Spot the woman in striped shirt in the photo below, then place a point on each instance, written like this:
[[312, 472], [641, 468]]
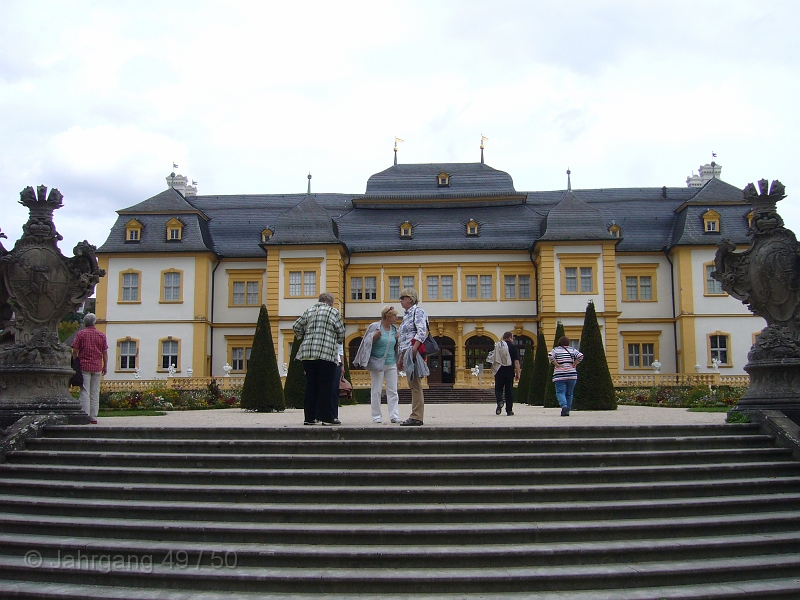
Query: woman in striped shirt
[[565, 358]]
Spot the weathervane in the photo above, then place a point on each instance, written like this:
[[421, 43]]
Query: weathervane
[[569, 182], [483, 138], [396, 139]]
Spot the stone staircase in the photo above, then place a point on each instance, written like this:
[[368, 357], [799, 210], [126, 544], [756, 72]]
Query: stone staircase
[[445, 394], [618, 513]]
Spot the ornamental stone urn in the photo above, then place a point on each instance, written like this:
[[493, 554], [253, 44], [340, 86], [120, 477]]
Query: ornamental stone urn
[[766, 277], [38, 287]]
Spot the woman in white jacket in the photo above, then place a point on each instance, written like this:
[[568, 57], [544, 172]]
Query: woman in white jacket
[[378, 354]]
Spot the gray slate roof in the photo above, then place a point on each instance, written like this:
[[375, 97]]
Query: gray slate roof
[[231, 225], [466, 179], [574, 219]]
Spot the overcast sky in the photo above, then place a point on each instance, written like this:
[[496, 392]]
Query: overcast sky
[[99, 99]]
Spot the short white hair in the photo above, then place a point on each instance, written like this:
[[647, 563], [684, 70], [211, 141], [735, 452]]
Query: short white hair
[[89, 319]]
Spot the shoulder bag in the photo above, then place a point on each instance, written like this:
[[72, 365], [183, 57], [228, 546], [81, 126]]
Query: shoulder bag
[[378, 364], [429, 347]]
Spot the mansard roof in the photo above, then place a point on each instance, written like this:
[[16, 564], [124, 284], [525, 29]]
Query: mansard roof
[[574, 219], [421, 180], [306, 223], [651, 219]]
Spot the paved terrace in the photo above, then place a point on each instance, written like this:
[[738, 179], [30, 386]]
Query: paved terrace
[[436, 415]]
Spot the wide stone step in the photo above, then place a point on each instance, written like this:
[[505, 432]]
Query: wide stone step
[[359, 477], [420, 534], [350, 434], [420, 581], [391, 493], [397, 513], [384, 447], [177, 460], [775, 589], [59, 549]]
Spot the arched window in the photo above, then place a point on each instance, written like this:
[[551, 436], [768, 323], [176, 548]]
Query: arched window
[[521, 342], [352, 348], [477, 348]]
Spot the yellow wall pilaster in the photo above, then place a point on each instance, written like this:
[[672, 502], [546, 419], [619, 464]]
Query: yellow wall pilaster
[[101, 296], [686, 325], [610, 304]]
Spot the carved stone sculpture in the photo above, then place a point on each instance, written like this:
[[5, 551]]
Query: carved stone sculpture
[[766, 277], [38, 287]]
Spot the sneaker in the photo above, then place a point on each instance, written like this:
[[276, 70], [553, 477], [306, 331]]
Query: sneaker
[[378, 421], [330, 423], [409, 422], [93, 421], [337, 422], [565, 412], [309, 422], [499, 408], [510, 413], [395, 419]]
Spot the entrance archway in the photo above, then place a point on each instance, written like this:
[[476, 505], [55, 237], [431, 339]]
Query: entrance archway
[[443, 365]]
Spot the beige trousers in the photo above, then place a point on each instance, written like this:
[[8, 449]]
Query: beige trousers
[[417, 399]]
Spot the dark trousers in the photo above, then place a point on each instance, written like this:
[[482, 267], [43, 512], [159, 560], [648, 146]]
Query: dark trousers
[[317, 401], [504, 383], [335, 392]]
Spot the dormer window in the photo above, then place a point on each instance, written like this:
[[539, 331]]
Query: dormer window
[[133, 231], [406, 230], [443, 180], [615, 230], [174, 230], [266, 235], [472, 228], [711, 221]]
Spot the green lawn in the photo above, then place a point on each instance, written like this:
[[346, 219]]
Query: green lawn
[[725, 408], [131, 413]]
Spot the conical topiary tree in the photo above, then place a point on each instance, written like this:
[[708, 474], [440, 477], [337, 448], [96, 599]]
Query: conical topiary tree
[[262, 390], [524, 385], [541, 369], [294, 388], [594, 390], [550, 400]]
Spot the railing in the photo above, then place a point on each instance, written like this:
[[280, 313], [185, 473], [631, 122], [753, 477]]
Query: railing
[[464, 378]]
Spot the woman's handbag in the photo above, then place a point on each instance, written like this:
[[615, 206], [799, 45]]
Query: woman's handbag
[[429, 347], [345, 388]]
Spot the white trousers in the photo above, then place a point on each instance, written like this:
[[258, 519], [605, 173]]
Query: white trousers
[[90, 394], [390, 374]]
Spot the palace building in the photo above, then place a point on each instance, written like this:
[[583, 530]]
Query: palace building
[[187, 273]]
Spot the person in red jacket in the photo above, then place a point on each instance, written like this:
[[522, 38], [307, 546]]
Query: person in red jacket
[[91, 348]]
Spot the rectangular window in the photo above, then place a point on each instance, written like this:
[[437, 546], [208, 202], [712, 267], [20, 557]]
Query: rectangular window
[[356, 288], [648, 355], [174, 234], [252, 293], [586, 279], [133, 235], [712, 285], [237, 359], [719, 348], [472, 286], [433, 287], [130, 287], [127, 355], [394, 288], [169, 353], [511, 286], [524, 286], [172, 286], [571, 277], [631, 288], [310, 283], [634, 356], [447, 287], [370, 288], [646, 287], [238, 292], [638, 288], [408, 282], [486, 286]]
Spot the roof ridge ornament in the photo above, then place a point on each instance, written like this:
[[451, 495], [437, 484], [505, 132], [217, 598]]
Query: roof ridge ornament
[[308, 192], [569, 182], [396, 139], [483, 138]]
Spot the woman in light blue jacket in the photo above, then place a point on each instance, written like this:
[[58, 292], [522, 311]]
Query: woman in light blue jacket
[[378, 354]]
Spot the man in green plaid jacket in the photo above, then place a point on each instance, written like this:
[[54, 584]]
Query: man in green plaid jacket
[[321, 330]]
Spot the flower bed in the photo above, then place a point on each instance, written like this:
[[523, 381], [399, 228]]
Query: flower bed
[[680, 397], [161, 397]]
